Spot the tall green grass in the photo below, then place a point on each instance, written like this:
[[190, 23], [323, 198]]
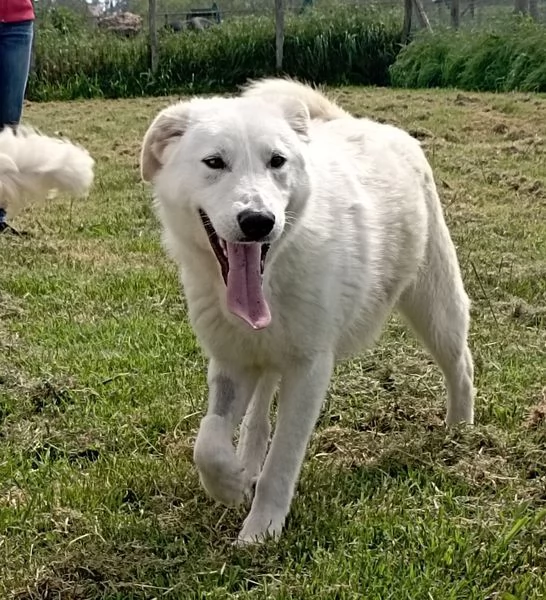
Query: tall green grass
[[346, 46], [508, 57]]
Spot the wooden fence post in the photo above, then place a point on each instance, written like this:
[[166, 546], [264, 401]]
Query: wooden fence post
[[408, 9], [455, 14], [521, 7], [279, 33], [152, 32]]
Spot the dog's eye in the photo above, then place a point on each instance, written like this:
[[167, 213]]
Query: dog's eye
[[215, 162], [277, 161]]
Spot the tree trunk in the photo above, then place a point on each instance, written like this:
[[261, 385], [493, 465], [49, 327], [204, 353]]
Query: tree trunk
[[422, 15], [279, 33], [533, 9]]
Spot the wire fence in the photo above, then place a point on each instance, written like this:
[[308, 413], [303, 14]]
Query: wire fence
[[438, 12], [352, 41], [176, 14]]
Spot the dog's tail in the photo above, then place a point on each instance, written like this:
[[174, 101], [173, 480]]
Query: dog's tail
[[35, 166], [319, 106]]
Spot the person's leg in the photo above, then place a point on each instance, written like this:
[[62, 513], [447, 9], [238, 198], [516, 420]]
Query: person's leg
[[15, 49]]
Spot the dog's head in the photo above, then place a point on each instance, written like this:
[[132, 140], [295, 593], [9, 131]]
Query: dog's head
[[239, 166]]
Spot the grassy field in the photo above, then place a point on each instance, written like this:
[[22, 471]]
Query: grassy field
[[102, 388]]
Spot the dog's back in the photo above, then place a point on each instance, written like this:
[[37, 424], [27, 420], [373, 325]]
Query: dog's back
[[318, 105]]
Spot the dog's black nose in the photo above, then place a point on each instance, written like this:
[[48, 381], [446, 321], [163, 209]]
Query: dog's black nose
[[254, 224]]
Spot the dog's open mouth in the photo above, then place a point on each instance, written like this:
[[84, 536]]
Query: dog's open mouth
[[242, 266]]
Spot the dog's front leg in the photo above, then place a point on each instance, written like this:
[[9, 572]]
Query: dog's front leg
[[220, 470], [302, 391]]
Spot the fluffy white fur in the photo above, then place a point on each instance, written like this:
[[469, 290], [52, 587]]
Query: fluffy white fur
[[359, 231], [33, 166]]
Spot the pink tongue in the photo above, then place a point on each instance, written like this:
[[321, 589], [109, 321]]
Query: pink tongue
[[244, 285]]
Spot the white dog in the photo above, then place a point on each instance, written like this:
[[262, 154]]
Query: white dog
[[33, 166], [297, 229]]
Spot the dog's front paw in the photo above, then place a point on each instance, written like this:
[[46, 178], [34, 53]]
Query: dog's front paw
[[225, 480], [260, 526], [220, 471]]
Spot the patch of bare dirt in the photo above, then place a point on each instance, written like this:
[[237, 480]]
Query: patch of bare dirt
[[531, 316], [464, 99], [13, 497], [537, 414], [500, 128]]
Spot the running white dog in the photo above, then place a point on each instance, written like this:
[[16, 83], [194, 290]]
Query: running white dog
[[297, 229], [33, 166]]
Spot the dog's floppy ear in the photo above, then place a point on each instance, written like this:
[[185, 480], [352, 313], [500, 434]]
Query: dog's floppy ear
[[297, 115], [170, 123]]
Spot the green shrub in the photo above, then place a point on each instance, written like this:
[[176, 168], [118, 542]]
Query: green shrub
[[510, 57], [346, 46], [65, 21]]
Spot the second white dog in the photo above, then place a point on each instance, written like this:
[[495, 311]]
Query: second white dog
[[33, 166], [297, 229]]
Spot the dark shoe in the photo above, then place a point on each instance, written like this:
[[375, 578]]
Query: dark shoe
[[8, 229]]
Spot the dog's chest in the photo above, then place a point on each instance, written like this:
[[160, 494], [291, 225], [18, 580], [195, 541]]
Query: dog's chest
[[227, 338], [232, 342]]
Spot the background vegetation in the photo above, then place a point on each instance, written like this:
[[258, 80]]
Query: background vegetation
[[509, 56], [347, 46], [360, 46]]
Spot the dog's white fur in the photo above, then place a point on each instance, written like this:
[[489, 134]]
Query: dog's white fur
[[359, 231], [33, 166]]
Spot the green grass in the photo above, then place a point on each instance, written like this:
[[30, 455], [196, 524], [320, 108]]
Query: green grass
[[102, 388], [503, 56]]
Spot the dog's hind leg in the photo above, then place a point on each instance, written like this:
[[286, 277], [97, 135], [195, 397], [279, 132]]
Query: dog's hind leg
[[256, 428], [438, 310], [221, 472]]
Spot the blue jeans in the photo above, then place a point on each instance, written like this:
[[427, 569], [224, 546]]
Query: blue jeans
[[15, 50]]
